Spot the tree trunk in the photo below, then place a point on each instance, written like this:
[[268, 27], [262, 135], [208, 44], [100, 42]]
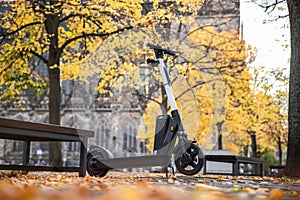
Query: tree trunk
[[279, 150], [52, 23], [253, 145], [246, 152], [293, 152], [220, 142], [220, 137]]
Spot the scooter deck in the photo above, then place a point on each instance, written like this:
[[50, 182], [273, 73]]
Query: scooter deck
[[134, 162]]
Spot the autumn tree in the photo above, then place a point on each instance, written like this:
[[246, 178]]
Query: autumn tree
[[228, 58], [277, 127], [250, 105], [293, 153], [255, 111], [49, 30], [56, 32], [52, 31], [61, 33]]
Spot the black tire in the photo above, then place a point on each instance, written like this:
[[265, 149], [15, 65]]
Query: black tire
[[93, 157], [190, 162]]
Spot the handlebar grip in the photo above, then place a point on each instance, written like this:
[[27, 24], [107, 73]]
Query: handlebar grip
[[153, 46], [149, 61], [157, 47]]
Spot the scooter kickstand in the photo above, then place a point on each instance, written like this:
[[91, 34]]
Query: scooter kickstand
[[167, 171]]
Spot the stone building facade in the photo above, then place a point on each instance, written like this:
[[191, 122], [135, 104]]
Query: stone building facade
[[115, 124]]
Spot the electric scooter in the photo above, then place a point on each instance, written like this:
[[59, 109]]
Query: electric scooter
[[188, 156]]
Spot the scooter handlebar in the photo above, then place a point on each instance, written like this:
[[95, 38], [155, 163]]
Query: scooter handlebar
[[159, 48]]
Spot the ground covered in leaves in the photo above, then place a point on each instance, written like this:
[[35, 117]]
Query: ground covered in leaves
[[143, 186]]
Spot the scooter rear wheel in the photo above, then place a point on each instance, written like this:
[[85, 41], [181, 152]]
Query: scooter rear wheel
[[94, 156], [191, 161]]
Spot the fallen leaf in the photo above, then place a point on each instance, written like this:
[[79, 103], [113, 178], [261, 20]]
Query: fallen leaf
[[276, 194], [143, 184], [249, 190], [293, 193]]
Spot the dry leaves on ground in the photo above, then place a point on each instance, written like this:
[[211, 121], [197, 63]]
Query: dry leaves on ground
[[124, 186]]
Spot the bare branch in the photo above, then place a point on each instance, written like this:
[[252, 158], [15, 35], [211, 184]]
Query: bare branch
[[96, 22], [190, 88], [6, 68], [84, 35], [202, 27], [271, 6], [39, 56], [21, 28], [137, 93]]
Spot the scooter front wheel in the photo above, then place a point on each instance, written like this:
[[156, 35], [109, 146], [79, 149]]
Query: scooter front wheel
[[191, 161]]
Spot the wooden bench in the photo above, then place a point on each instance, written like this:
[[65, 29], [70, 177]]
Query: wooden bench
[[235, 161], [29, 132], [275, 169]]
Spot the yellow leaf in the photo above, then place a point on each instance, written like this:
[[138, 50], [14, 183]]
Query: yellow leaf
[[249, 190], [293, 193], [276, 194]]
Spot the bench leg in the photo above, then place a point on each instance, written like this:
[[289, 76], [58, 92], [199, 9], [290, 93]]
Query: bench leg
[[26, 152], [204, 168], [261, 169], [235, 168], [83, 157]]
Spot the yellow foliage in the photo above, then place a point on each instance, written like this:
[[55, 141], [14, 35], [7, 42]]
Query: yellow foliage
[[28, 20], [248, 108]]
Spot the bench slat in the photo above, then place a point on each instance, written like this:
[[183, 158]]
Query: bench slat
[[17, 124], [13, 133]]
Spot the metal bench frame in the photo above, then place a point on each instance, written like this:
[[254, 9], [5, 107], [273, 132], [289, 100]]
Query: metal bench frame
[[236, 161], [37, 132]]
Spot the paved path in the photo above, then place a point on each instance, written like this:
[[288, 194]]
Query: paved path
[[246, 186], [145, 186]]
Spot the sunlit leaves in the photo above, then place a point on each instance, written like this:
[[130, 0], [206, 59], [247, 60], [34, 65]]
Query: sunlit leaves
[[26, 36], [251, 105], [80, 29]]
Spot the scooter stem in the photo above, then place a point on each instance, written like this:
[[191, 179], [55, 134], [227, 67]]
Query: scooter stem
[[167, 85]]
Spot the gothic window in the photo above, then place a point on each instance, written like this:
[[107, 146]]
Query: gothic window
[[114, 139], [97, 138], [103, 134], [129, 138], [142, 147], [74, 146], [17, 146], [125, 136]]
